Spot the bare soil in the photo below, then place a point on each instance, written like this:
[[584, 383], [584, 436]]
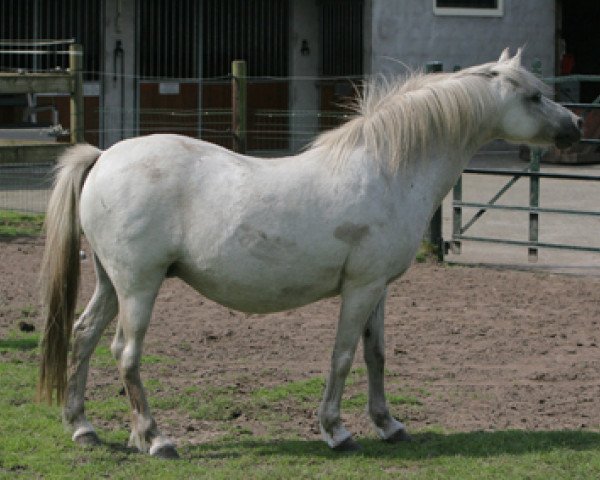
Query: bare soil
[[480, 348]]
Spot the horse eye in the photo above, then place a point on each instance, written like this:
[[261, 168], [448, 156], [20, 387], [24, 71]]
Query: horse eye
[[536, 98]]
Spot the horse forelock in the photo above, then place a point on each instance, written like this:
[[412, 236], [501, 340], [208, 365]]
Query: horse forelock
[[400, 122]]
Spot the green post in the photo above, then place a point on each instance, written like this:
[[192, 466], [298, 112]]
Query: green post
[[239, 112], [76, 102], [435, 226], [456, 216], [534, 185]]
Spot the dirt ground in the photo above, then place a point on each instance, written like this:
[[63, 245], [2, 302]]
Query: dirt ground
[[481, 349]]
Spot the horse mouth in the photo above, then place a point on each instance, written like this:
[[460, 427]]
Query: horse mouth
[[563, 143], [566, 140], [569, 134]]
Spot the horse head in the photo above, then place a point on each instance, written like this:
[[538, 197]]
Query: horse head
[[526, 114]]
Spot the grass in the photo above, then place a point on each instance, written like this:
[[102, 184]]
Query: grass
[[33, 443], [103, 358], [426, 251], [17, 224]]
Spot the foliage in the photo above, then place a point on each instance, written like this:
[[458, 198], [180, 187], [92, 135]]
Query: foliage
[[426, 251]]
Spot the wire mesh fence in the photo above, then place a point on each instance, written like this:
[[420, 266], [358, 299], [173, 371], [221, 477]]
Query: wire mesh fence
[[284, 115], [281, 121], [25, 187]]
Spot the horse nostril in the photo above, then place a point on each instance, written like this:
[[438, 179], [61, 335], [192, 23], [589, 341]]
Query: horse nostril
[[579, 123]]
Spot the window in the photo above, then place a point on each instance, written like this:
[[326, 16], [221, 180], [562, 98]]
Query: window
[[476, 8]]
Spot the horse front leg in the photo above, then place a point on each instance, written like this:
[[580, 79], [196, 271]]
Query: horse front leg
[[387, 427], [357, 304]]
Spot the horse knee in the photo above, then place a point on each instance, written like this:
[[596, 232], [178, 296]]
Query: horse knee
[[129, 360], [84, 338], [342, 363]]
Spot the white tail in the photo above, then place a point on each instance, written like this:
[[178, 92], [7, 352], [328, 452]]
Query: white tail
[[60, 268]]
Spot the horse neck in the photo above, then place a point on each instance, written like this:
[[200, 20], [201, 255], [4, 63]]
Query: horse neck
[[452, 114], [440, 166]]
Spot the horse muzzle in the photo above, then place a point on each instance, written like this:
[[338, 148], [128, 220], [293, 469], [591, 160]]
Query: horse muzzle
[[570, 132]]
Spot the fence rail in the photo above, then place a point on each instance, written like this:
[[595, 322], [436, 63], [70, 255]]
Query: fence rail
[[458, 229]]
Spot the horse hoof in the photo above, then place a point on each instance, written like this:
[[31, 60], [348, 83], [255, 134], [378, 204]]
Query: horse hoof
[[399, 436], [347, 446], [167, 452], [88, 439]]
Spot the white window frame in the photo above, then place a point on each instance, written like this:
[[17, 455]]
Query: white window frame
[[469, 12]]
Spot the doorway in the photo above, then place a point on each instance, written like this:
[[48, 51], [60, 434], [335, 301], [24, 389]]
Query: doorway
[[579, 44]]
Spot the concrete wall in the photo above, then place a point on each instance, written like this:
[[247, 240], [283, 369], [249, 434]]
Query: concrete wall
[[119, 117], [408, 31], [304, 93]]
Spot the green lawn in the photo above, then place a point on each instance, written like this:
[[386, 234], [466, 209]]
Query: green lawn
[[33, 443], [16, 224]]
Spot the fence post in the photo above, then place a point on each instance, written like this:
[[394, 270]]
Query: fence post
[[534, 185], [238, 105], [456, 216], [76, 102], [435, 226], [455, 243]]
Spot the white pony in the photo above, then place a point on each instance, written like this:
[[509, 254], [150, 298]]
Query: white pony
[[345, 217]]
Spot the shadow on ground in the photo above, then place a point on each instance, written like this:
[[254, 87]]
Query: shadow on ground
[[424, 445]]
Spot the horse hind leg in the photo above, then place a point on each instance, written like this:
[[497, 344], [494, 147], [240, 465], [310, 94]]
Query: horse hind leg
[[136, 310], [387, 427], [87, 331]]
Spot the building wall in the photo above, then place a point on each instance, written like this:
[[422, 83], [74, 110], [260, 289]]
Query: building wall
[[408, 31], [119, 116], [304, 96]]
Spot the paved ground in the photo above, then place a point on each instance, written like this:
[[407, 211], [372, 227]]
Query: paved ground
[[553, 228]]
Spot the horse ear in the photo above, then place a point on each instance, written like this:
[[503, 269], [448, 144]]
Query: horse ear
[[516, 60], [504, 56]]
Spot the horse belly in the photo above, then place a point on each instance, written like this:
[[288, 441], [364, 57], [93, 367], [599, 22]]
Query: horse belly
[[252, 287]]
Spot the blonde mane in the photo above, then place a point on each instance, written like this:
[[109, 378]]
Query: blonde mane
[[398, 122]]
